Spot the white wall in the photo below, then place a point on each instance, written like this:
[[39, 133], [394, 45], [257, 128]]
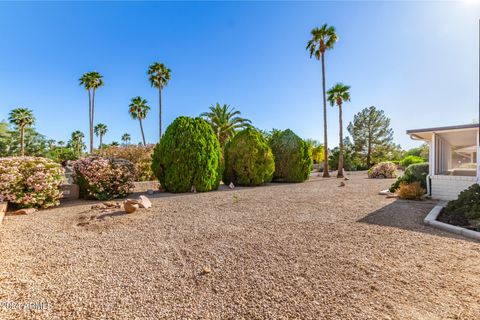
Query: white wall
[[448, 187]]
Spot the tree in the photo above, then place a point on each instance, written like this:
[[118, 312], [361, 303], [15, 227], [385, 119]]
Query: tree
[[339, 94], [76, 142], [91, 81], [126, 138], [159, 75], [225, 121], [22, 117], [323, 39], [35, 144], [371, 133], [138, 110], [100, 130]]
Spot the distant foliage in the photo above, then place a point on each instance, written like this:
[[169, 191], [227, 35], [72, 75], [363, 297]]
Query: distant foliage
[[188, 157], [30, 182], [293, 160], [248, 159], [140, 156], [410, 191], [467, 204], [103, 178], [408, 160], [383, 170], [415, 172]]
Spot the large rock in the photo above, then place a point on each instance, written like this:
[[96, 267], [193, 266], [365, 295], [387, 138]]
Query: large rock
[[144, 202], [130, 207]]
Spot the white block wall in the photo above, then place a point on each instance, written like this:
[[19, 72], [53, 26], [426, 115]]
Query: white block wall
[[448, 187]]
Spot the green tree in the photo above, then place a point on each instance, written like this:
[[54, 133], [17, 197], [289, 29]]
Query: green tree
[[159, 75], [225, 121], [22, 117], [76, 142], [4, 139], [323, 39], [139, 110], [100, 130], [372, 135], [126, 138], [91, 81], [339, 94]]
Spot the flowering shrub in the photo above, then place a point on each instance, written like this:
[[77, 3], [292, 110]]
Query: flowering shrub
[[139, 156], [383, 170], [30, 182], [103, 178]]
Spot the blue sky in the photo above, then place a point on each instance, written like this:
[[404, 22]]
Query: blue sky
[[418, 61]]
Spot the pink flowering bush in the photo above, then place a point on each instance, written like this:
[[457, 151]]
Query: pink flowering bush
[[383, 170], [103, 178], [30, 182]]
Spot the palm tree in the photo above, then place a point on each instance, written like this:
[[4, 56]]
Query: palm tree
[[138, 110], [126, 138], [22, 117], [338, 94], [159, 75], [100, 130], [323, 39], [61, 143], [76, 141], [91, 81], [225, 121]]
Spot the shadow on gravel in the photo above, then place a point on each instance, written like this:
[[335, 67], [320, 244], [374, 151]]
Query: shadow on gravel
[[408, 215]]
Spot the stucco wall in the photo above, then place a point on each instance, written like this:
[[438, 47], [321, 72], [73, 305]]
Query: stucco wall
[[448, 187]]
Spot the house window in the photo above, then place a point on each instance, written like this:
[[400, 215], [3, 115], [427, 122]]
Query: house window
[[456, 153]]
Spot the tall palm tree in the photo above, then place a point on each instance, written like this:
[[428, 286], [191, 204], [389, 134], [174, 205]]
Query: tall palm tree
[[338, 94], [91, 81], [101, 130], [76, 141], [225, 121], [323, 39], [22, 117], [159, 75], [138, 110], [126, 138]]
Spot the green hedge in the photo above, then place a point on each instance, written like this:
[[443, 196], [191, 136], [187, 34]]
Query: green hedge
[[188, 157], [414, 172], [248, 159], [408, 160], [293, 159]]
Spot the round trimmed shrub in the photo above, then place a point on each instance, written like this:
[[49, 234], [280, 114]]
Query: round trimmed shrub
[[188, 157], [30, 182], [103, 178], [383, 170], [414, 172], [293, 160], [248, 159]]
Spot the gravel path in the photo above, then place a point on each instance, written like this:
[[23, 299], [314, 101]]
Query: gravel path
[[310, 251]]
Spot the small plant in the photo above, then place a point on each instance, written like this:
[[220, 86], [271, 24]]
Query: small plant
[[103, 178], [410, 191], [383, 170], [467, 204], [30, 182], [415, 172], [235, 198], [408, 160]]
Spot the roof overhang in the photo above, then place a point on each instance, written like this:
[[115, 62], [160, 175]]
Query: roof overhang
[[450, 131]]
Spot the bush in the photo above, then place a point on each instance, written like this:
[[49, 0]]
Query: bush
[[140, 156], [415, 172], [408, 160], [383, 170], [188, 157], [467, 204], [293, 160], [103, 178], [30, 182], [248, 159], [410, 191]]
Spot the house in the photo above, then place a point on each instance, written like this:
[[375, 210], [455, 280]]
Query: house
[[453, 158]]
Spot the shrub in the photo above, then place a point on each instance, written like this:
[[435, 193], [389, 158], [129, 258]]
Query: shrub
[[410, 191], [467, 204], [414, 172], [103, 178], [30, 182], [383, 170], [408, 160], [188, 157], [292, 155], [139, 156], [248, 159]]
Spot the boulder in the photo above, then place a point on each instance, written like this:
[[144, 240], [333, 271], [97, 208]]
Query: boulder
[[25, 211], [231, 185], [144, 202], [130, 207]]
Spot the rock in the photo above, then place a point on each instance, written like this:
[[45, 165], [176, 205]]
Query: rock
[[130, 207], [98, 207], [392, 195], [25, 211], [111, 204], [346, 179], [384, 192], [231, 185], [206, 270], [342, 184], [144, 202], [132, 201], [194, 190]]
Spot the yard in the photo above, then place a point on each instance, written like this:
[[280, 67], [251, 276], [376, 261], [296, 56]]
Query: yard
[[310, 250]]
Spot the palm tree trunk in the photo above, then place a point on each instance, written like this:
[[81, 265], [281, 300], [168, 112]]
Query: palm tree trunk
[[101, 142], [90, 116], [340, 155], [22, 141], [160, 113], [141, 129], [92, 123], [326, 174]]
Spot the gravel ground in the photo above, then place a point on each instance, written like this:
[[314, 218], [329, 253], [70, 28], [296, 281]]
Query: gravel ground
[[310, 251]]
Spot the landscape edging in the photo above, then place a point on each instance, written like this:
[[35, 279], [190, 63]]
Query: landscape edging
[[431, 220]]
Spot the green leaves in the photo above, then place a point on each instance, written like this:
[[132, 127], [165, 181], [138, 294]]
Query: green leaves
[[159, 75], [21, 117], [91, 80], [323, 38], [138, 108]]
